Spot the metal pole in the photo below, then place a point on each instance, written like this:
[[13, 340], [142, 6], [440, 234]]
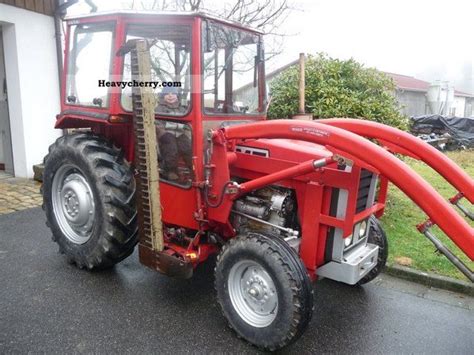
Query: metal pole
[[451, 257]]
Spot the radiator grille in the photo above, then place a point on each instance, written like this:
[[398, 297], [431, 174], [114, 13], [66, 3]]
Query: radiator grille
[[364, 190]]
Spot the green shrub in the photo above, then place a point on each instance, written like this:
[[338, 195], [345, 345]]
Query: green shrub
[[337, 88]]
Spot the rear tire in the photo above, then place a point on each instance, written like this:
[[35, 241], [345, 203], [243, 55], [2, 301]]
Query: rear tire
[[378, 237], [88, 197], [264, 290]]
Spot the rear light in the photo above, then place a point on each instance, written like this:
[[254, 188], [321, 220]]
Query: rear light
[[117, 119]]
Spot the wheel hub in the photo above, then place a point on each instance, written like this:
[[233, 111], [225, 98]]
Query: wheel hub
[[73, 204], [253, 293]]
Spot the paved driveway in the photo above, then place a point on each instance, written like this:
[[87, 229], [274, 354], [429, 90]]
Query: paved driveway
[[17, 194], [48, 306]]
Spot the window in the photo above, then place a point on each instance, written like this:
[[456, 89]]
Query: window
[[89, 62], [170, 57], [231, 60], [175, 152]]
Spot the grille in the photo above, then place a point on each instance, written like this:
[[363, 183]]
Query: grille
[[364, 190]]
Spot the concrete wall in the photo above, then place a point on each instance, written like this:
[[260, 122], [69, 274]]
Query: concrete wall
[[469, 110], [459, 106], [412, 103], [32, 80]]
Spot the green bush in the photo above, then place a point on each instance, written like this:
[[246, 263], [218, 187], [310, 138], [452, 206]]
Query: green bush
[[337, 88]]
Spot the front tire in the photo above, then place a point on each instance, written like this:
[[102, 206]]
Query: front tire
[[378, 237], [264, 290], [88, 196]]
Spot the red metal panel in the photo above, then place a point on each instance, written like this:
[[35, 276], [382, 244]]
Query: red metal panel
[[323, 229], [117, 65], [311, 211], [178, 205], [382, 197], [423, 194]]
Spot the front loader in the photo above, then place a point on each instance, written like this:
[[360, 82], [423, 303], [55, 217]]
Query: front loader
[[190, 167]]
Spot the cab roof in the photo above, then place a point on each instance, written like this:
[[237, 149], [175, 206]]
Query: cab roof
[[131, 13]]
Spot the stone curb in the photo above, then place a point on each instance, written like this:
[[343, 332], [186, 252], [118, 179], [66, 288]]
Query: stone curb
[[430, 279]]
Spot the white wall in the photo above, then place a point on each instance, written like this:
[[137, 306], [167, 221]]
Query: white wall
[[32, 80], [460, 105], [3, 103]]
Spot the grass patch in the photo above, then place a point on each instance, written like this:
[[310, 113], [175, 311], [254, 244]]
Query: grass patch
[[402, 215]]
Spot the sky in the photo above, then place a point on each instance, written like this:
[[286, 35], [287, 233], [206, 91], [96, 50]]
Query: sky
[[431, 40]]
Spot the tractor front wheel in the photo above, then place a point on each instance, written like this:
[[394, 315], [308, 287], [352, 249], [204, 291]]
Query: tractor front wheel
[[88, 196], [378, 237], [264, 290]]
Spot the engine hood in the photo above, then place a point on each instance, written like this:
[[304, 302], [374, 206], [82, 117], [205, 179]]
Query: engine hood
[[284, 149]]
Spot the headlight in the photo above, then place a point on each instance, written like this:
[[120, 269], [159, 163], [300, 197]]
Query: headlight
[[362, 229], [348, 241]]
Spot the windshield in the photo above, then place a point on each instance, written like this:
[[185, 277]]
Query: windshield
[[231, 59]]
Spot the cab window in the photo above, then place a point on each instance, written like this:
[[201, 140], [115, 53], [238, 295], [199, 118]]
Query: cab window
[[90, 59], [231, 60], [175, 152], [170, 55]]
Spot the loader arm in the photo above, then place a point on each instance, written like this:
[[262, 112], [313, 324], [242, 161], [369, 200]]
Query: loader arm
[[423, 194], [397, 139]]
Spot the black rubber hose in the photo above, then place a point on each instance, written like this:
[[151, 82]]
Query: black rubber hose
[[221, 198]]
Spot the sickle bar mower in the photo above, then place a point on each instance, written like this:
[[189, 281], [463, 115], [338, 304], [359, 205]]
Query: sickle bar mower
[[340, 136]]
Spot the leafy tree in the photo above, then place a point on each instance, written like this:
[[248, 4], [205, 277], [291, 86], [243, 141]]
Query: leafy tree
[[337, 88], [264, 15]]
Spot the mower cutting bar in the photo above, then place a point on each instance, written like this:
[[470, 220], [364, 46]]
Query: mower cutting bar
[[146, 157], [423, 194]]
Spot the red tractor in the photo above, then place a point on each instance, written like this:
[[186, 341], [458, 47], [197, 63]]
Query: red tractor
[[281, 203]]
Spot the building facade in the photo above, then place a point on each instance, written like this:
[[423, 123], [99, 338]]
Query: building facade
[[29, 84], [412, 95]]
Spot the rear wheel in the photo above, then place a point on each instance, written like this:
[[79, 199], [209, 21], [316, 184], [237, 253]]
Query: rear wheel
[[264, 290], [378, 237], [88, 196]]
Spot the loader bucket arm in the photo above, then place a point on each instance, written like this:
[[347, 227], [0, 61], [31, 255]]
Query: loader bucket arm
[[457, 177], [424, 195]]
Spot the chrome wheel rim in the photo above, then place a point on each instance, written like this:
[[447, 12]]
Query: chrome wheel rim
[[73, 204], [253, 293]]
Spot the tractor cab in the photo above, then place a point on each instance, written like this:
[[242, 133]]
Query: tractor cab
[[205, 72], [214, 68]]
